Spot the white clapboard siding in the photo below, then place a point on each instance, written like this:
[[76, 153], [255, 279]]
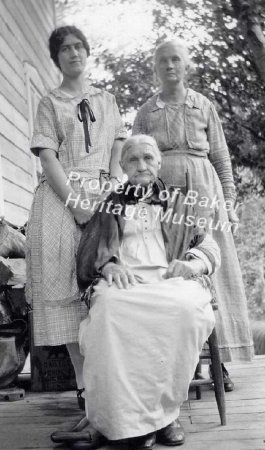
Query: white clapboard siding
[[13, 116], [42, 15], [46, 11], [11, 57], [11, 75], [21, 158], [13, 193], [21, 38], [31, 22], [12, 133], [26, 73], [16, 174], [12, 95], [15, 214], [2, 212]]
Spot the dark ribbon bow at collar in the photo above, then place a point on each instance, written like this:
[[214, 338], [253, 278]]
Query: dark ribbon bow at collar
[[84, 110], [133, 195]]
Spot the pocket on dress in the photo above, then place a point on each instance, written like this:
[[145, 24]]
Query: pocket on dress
[[196, 129]]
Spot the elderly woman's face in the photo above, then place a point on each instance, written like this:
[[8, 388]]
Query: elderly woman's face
[[141, 164], [72, 56], [170, 64]]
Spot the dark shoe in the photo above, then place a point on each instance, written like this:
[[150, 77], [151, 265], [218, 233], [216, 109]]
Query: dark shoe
[[89, 439], [171, 435], [80, 398], [145, 442], [85, 445], [228, 383]]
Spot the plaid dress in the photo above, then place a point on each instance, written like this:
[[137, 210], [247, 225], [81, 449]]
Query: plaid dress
[[190, 137], [52, 235]]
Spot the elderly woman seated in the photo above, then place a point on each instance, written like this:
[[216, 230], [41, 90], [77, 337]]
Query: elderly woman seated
[[150, 310]]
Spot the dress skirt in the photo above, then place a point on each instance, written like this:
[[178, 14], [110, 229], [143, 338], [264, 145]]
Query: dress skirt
[[232, 322], [52, 243], [141, 346]]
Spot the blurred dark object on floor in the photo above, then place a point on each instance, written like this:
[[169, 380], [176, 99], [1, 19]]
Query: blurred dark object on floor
[[12, 241], [14, 336]]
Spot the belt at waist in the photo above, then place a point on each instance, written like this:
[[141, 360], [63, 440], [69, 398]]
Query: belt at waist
[[75, 174], [188, 151], [96, 173]]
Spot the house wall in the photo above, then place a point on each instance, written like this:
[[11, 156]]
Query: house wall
[[26, 72]]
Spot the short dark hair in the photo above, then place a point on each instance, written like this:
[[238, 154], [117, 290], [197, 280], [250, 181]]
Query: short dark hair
[[57, 37]]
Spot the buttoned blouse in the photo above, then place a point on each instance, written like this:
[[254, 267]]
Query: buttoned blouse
[[198, 132], [142, 247]]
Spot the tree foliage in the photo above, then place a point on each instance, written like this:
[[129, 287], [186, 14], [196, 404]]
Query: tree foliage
[[250, 16], [225, 71], [250, 243]]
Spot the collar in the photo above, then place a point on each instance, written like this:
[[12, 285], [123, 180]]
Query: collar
[[132, 196], [192, 100], [89, 91]]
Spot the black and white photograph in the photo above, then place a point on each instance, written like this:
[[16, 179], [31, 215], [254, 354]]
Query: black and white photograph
[[132, 224]]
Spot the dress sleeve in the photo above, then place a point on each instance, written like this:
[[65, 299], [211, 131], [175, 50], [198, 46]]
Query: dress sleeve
[[208, 251], [219, 154], [120, 130], [45, 134], [139, 125]]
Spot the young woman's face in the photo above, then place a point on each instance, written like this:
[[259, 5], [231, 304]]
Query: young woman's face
[[170, 64], [72, 56]]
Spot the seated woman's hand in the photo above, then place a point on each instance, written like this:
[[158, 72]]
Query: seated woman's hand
[[185, 269], [121, 275]]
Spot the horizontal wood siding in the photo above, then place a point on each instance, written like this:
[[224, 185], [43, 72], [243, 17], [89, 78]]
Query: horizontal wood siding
[[25, 26], [15, 214], [25, 198], [21, 38], [17, 175], [15, 155], [12, 133], [15, 117]]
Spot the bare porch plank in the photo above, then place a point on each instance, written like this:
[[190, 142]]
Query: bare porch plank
[[27, 424]]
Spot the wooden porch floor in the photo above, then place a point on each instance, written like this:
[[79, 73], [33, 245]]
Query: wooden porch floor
[[27, 424]]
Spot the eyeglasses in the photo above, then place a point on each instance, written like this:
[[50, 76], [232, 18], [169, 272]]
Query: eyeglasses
[[79, 46]]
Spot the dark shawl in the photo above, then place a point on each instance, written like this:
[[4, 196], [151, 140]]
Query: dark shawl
[[103, 233]]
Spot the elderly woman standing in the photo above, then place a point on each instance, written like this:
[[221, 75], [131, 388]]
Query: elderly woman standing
[[150, 312], [189, 134], [78, 129]]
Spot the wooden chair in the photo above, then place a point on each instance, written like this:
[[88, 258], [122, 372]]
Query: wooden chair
[[77, 433], [210, 352]]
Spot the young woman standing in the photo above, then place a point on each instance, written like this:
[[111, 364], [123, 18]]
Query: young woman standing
[[78, 129]]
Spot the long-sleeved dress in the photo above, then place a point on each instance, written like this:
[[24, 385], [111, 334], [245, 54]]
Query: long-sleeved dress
[[52, 235], [141, 345], [190, 136]]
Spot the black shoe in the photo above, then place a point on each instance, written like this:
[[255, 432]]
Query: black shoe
[[80, 398], [145, 442], [228, 383], [171, 435], [90, 439], [85, 445]]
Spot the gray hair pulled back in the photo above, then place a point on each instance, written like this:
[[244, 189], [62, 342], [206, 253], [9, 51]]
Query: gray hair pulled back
[[137, 139], [179, 44]]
